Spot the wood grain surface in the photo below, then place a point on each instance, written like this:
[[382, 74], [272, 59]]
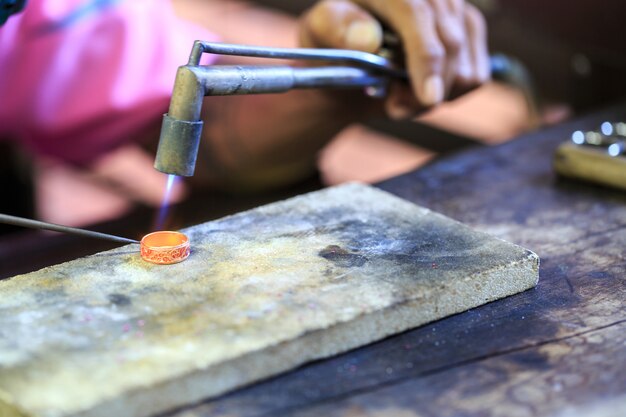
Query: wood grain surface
[[557, 350]]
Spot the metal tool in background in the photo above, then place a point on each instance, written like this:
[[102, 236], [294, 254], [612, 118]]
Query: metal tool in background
[[182, 127], [35, 224], [597, 156]]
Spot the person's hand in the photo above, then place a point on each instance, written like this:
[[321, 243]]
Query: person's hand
[[444, 44]]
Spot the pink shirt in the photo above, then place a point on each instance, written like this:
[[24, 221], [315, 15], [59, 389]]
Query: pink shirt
[[78, 79]]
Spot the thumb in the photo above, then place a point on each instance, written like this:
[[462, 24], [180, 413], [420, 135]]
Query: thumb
[[340, 24]]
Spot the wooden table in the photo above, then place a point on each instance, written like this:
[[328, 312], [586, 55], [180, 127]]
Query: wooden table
[[557, 350]]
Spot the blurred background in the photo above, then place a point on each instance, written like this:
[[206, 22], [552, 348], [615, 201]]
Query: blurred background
[[572, 60]]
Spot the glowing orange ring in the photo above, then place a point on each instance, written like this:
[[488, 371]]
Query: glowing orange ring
[[165, 247]]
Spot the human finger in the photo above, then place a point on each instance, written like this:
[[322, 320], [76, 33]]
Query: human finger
[[477, 45], [401, 104], [340, 24], [414, 21], [450, 26], [452, 30]]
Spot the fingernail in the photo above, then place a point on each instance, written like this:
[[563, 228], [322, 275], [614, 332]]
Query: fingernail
[[433, 90], [364, 36]]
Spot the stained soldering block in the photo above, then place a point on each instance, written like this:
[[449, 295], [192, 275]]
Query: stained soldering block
[[263, 291]]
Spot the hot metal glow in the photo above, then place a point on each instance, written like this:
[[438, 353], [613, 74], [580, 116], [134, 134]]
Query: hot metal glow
[[165, 247]]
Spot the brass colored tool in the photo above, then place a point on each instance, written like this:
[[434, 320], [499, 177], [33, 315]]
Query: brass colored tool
[[595, 156], [35, 224]]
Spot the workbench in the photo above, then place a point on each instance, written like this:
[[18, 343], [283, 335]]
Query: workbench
[[556, 350]]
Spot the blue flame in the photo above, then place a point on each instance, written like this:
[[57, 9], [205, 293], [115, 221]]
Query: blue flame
[[165, 203]]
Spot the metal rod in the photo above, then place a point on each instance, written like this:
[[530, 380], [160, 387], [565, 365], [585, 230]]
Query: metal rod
[[222, 80], [362, 59], [35, 224], [500, 64]]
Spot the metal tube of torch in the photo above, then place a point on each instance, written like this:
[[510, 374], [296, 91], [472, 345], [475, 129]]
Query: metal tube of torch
[[182, 127]]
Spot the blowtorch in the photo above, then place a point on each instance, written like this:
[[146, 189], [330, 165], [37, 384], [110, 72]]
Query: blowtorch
[[181, 129]]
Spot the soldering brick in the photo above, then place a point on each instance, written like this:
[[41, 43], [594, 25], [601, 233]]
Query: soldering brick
[[263, 291]]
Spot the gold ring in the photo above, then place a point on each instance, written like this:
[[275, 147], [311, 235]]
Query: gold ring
[[165, 247]]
